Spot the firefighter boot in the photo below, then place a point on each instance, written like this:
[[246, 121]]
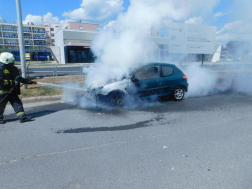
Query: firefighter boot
[[25, 118], [2, 120]]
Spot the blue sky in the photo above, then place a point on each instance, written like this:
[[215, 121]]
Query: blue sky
[[228, 15], [58, 7], [41, 7]]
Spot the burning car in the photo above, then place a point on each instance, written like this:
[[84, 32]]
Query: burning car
[[150, 80]]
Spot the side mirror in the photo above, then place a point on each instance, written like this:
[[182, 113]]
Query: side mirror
[[134, 79]]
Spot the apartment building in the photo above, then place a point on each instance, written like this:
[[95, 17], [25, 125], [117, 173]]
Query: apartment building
[[33, 36], [51, 29]]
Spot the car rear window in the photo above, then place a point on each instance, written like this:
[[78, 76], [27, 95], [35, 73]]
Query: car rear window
[[167, 70]]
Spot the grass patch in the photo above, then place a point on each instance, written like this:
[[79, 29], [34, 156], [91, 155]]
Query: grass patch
[[35, 90]]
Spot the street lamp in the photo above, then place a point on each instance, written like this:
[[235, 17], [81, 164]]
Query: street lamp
[[21, 40]]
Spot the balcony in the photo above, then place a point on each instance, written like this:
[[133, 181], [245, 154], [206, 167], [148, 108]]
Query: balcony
[[11, 44], [39, 32], [27, 31], [9, 30], [39, 44], [39, 38], [27, 37], [10, 37]]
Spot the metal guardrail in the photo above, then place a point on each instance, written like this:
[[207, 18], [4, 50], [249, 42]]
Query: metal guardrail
[[56, 69]]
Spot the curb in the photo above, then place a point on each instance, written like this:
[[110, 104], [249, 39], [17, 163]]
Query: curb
[[41, 98]]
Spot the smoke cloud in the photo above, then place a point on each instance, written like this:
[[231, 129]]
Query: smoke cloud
[[126, 43], [203, 81]]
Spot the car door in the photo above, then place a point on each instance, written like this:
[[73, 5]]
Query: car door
[[166, 79], [147, 81]]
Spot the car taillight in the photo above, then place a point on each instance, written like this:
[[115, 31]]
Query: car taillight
[[185, 77]]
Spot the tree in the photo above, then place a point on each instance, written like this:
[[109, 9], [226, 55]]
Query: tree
[[33, 49], [36, 49], [2, 49], [31, 52], [238, 48]]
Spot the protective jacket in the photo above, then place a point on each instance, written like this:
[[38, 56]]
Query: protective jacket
[[8, 73]]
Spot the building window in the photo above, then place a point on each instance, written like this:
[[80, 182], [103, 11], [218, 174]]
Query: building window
[[53, 40], [52, 34], [80, 27], [46, 26], [52, 29], [56, 26]]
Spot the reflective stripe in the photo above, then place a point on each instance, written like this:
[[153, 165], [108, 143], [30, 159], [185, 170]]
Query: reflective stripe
[[20, 113], [10, 82], [6, 82], [3, 92], [6, 72]]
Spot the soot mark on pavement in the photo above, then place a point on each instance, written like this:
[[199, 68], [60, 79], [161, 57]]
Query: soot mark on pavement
[[140, 124]]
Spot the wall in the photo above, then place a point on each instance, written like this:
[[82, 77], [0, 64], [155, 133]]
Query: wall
[[85, 26], [217, 54], [59, 41]]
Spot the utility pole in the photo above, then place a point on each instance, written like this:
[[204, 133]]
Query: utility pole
[[202, 60], [21, 40]]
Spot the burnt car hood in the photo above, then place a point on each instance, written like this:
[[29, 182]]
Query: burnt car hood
[[106, 89]]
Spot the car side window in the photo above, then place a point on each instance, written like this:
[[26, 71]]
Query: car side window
[[167, 70], [147, 73]]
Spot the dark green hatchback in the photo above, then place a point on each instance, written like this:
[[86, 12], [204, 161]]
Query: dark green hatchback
[[150, 80], [158, 79]]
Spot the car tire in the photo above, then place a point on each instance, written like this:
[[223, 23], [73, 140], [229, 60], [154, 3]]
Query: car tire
[[178, 93], [116, 99]]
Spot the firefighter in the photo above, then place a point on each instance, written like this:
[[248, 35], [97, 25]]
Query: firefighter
[[10, 87]]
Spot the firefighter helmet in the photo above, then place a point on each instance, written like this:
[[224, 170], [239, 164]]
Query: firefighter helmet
[[7, 58]]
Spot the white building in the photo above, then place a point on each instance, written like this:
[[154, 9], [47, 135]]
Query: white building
[[73, 43]]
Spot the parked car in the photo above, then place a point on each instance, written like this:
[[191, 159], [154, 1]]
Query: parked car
[[150, 80]]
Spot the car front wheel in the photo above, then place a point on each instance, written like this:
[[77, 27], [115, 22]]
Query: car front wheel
[[116, 99], [178, 93]]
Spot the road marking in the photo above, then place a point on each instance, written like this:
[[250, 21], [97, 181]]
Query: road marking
[[67, 151], [109, 144], [247, 70]]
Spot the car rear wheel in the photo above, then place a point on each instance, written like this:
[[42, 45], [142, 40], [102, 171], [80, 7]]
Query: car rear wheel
[[116, 99], [178, 93]]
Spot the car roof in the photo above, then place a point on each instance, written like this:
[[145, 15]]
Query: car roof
[[151, 64], [160, 63], [155, 64]]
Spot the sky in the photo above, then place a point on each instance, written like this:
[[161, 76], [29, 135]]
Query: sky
[[233, 18]]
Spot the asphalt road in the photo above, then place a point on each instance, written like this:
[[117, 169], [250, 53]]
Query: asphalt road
[[196, 143], [64, 71]]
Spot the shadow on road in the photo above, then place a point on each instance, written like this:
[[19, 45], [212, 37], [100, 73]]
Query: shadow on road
[[41, 111]]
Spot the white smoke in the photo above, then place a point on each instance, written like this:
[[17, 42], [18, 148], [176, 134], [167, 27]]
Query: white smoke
[[203, 81], [128, 43]]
